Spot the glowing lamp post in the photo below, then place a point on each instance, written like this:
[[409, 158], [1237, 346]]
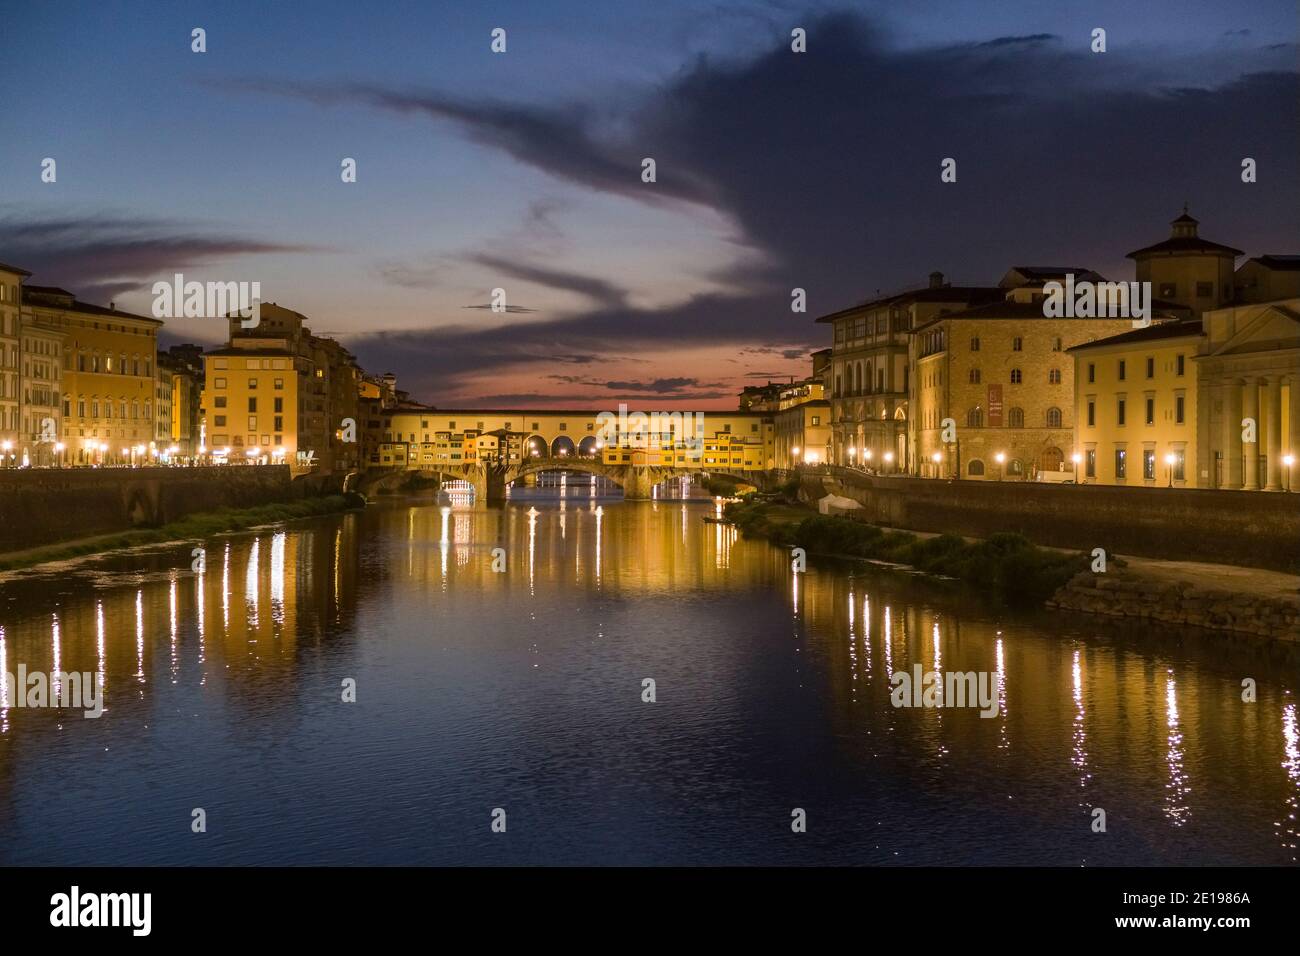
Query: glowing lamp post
[[1288, 460], [794, 453], [1000, 458], [1169, 464], [937, 457], [889, 461]]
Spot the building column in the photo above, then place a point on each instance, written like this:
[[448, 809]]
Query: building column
[[1250, 409], [1293, 446], [1231, 435], [1273, 438]]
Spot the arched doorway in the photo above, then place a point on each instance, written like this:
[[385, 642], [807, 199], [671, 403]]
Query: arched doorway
[[535, 447], [1051, 459], [563, 447], [587, 447]]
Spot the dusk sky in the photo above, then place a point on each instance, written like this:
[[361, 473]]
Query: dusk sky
[[522, 170]]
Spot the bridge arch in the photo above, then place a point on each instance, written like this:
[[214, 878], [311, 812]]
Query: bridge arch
[[535, 446], [563, 447], [588, 447]]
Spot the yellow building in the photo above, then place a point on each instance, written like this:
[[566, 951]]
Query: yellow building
[[1186, 269], [423, 438], [288, 396], [1249, 373], [870, 380], [108, 376], [11, 279], [41, 441], [1136, 401], [1001, 374], [250, 405]]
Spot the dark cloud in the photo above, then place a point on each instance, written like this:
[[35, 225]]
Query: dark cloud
[[105, 255], [599, 291], [659, 386]]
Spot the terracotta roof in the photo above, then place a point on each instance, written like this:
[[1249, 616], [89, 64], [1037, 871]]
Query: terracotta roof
[[1182, 244], [33, 294], [1152, 333], [951, 293], [21, 272], [1279, 263]]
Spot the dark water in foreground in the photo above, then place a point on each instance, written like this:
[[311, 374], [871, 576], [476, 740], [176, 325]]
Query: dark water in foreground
[[522, 690]]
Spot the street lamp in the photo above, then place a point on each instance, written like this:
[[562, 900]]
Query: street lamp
[[794, 453], [936, 458], [889, 459], [1169, 462], [1000, 458], [1288, 460]]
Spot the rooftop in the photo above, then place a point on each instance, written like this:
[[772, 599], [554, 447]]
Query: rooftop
[[1152, 333]]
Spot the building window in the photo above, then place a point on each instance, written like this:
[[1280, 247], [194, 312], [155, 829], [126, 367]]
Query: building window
[[1121, 464], [1053, 418], [1017, 344], [1090, 463], [1151, 411], [1092, 372], [1015, 418], [975, 343], [1149, 464], [219, 401], [1119, 412], [1122, 370], [974, 376], [1180, 408], [1181, 365], [975, 417], [1092, 414], [1151, 367], [1015, 376], [279, 383], [816, 420], [1056, 344], [975, 469], [1180, 463], [1054, 377], [252, 405]]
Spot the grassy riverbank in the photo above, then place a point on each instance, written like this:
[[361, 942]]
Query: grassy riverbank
[[193, 526], [1006, 566]]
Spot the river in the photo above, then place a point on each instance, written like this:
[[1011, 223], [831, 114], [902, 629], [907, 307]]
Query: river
[[521, 689]]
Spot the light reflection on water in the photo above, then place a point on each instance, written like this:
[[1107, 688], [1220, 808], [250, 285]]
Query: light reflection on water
[[521, 688]]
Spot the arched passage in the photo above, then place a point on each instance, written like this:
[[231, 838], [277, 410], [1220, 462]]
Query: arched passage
[[535, 447], [587, 447], [563, 447]]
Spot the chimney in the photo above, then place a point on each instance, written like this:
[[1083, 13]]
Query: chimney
[[112, 305], [936, 280]]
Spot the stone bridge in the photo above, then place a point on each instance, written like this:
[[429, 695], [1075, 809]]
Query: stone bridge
[[491, 480]]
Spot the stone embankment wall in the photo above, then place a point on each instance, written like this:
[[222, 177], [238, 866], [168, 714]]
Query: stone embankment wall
[[49, 505], [1250, 528], [1129, 595]]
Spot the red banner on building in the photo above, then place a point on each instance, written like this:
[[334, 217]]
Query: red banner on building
[[995, 406]]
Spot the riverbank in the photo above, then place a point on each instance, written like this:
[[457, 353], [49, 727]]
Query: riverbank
[[1007, 567], [199, 525], [1216, 597]]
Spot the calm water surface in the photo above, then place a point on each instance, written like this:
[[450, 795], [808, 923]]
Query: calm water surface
[[522, 690]]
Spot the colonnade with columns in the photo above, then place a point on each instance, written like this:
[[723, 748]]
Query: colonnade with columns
[[1252, 406]]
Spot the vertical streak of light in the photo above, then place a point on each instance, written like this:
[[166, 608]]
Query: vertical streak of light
[[889, 641], [225, 593], [866, 630], [853, 647], [172, 621], [251, 583], [56, 678], [532, 546], [1080, 734], [277, 577], [444, 541], [101, 663], [1002, 692], [1177, 788], [600, 516], [4, 684], [139, 635], [1291, 765]]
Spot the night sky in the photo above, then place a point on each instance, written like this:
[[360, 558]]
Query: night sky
[[522, 170]]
